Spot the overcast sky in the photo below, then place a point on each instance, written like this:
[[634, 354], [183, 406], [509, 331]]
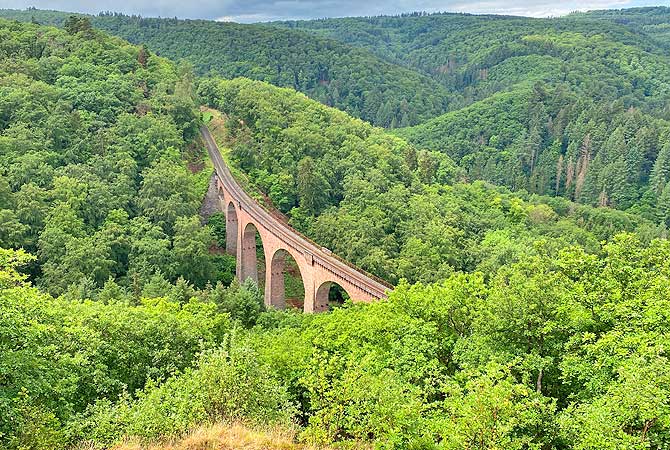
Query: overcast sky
[[264, 10]]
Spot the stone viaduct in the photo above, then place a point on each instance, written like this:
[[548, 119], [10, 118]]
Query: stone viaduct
[[319, 268]]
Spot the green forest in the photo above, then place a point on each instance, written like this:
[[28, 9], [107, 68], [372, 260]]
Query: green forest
[[509, 176], [556, 107], [347, 78], [533, 114]]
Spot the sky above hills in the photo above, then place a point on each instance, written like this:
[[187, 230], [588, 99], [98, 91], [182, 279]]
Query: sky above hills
[[264, 10]]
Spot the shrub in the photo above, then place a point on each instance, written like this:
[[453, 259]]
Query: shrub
[[226, 385]]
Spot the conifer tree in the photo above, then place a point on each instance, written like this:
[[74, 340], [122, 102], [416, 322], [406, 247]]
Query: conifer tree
[[661, 171]]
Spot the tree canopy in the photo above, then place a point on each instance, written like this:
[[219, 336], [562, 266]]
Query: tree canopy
[[94, 146], [525, 232], [351, 79]]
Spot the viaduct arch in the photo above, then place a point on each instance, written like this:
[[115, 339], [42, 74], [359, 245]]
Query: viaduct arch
[[318, 267]]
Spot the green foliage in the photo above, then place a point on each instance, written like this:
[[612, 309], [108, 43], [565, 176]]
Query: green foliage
[[59, 355], [312, 187], [374, 200], [10, 263], [652, 21], [477, 55], [225, 385], [217, 223], [335, 74], [536, 104], [92, 176], [167, 194], [243, 302], [586, 151], [526, 108], [75, 24], [549, 352], [532, 323], [190, 251]]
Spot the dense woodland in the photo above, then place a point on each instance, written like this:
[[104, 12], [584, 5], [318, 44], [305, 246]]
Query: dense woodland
[[551, 106], [652, 21], [338, 75], [374, 199], [524, 317], [94, 149]]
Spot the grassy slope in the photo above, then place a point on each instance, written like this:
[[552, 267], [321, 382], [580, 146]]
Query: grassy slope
[[226, 437]]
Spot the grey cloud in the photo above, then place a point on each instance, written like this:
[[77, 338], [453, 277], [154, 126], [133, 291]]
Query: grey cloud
[[264, 10], [165, 8]]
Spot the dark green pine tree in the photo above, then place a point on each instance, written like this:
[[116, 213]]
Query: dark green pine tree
[[384, 115], [404, 121], [623, 170], [638, 147], [592, 186], [661, 171], [663, 205]]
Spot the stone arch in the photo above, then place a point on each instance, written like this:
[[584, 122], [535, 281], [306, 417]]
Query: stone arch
[[231, 229], [321, 298], [275, 286], [249, 256]]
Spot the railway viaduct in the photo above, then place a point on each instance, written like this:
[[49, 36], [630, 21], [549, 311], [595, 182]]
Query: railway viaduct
[[319, 268]]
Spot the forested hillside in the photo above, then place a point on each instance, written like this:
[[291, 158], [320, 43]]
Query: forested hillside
[[458, 48], [95, 138], [335, 74], [653, 21], [377, 201], [517, 321], [551, 352], [575, 106], [557, 107]]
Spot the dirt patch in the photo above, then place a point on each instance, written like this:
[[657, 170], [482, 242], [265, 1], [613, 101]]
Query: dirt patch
[[196, 167], [296, 303], [216, 250], [223, 436]]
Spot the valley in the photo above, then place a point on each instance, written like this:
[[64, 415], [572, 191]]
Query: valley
[[423, 231]]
